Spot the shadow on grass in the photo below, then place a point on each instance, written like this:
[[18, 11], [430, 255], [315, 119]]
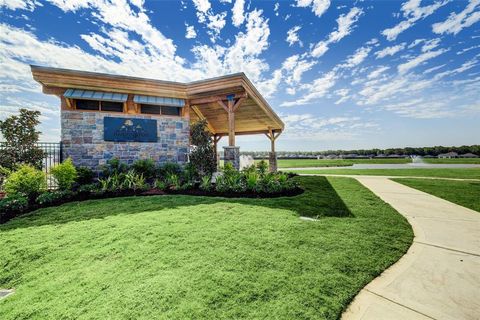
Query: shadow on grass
[[319, 200]]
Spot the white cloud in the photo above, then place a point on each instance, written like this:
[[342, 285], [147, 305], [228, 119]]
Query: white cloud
[[214, 22], [456, 22], [19, 4], [276, 8], [302, 127], [292, 36], [345, 27], [389, 51], [468, 49], [412, 11], [407, 66], [343, 94], [238, 15], [317, 89], [377, 72], [358, 57], [295, 66], [319, 7], [190, 33], [430, 44]]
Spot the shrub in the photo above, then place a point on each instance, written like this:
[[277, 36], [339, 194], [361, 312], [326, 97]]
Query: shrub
[[145, 167], [251, 180], [202, 157], [262, 167], [169, 168], [26, 181], [13, 204], [53, 197], [114, 167], [134, 181], [160, 185], [173, 182], [112, 183], [90, 188], [189, 174], [206, 183], [4, 173], [65, 174], [84, 176]]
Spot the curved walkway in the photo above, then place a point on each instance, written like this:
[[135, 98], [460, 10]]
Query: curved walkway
[[439, 277]]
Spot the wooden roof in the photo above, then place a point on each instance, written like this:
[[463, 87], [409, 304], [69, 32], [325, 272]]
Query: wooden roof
[[253, 116]]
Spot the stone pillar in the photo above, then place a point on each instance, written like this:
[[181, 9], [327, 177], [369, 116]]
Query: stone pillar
[[232, 155], [272, 160]]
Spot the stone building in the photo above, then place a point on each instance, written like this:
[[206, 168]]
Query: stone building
[[106, 116]]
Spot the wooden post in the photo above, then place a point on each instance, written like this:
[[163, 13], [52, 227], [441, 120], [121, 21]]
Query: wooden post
[[230, 108], [273, 156], [231, 124]]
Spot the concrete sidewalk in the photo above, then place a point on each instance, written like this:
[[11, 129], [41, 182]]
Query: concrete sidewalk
[[439, 277]]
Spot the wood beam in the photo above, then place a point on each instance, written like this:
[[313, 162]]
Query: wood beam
[[212, 99], [202, 117]]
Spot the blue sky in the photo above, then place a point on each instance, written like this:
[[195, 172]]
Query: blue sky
[[341, 74]]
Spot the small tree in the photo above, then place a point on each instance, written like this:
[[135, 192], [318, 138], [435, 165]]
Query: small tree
[[203, 157], [20, 140]]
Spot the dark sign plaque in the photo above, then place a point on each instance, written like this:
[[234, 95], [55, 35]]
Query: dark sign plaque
[[129, 130]]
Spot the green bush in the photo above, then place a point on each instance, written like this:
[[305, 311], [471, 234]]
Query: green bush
[[13, 204], [262, 167], [52, 197], [114, 167], [206, 183], [26, 181], [251, 180], [202, 157], [145, 167], [134, 181], [90, 188], [65, 174], [84, 176], [4, 173], [160, 185], [172, 181], [112, 183], [169, 168]]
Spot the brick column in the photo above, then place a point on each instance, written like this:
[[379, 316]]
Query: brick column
[[232, 155]]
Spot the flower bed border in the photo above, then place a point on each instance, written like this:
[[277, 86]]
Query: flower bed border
[[83, 196]]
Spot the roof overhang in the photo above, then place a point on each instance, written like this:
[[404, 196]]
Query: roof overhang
[[254, 115]]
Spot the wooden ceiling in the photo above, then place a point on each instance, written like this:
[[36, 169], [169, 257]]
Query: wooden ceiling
[[253, 116]]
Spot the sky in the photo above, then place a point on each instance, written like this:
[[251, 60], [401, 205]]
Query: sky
[[340, 74]]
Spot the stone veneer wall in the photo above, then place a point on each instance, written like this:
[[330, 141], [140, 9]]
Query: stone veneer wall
[[82, 138]]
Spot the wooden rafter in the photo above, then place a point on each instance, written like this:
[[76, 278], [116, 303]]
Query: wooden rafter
[[202, 117]]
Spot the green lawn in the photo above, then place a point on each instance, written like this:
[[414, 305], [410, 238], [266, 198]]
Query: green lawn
[[453, 161], [464, 193], [183, 257], [305, 163], [469, 173]]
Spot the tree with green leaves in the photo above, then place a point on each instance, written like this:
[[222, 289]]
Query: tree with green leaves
[[202, 157], [21, 137]]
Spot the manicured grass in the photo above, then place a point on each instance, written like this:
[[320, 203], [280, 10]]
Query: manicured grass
[[469, 173], [183, 257], [453, 160], [305, 163], [464, 193]]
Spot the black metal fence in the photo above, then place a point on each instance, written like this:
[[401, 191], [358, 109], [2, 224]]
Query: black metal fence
[[52, 156]]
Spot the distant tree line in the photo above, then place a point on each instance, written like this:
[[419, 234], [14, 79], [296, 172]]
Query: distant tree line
[[408, 151]]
